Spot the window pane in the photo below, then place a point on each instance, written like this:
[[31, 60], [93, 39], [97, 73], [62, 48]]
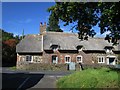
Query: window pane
[[54, 59], [99, 59], [78, 59], [28, 58], [67, 59]]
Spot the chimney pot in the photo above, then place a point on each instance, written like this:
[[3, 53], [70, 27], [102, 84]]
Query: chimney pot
[[41, 23]]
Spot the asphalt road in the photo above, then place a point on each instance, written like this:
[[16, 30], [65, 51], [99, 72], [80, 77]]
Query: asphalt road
[[22, 80]]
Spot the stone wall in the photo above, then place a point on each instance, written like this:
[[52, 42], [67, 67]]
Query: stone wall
[[21, 60], [87, 58], [44, 66], [46, 59]]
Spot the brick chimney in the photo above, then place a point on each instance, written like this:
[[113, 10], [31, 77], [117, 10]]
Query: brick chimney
[[42, 28]]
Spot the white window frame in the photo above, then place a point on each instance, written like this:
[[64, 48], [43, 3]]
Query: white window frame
[[55, 49], [109, 50], [101, 59], [36, 59], [30, 56], [77, 59], [56, 60], [66, 60], [22, 58]]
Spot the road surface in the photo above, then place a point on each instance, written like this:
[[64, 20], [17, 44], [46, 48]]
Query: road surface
[[22, 80]]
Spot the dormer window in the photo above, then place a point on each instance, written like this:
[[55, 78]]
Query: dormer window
[[79, 47], [54, 47], [108, 49]]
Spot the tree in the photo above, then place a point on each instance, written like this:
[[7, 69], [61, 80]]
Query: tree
[[110, 20], [6, 35], [9, 43], [9, 52], [53, 24], [89, 14]]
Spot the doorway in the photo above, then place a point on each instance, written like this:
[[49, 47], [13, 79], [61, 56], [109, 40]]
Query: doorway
[[111, 61], [54, 59]]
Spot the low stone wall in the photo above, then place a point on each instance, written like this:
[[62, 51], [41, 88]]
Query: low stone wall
[[41, 66], [57, 67]]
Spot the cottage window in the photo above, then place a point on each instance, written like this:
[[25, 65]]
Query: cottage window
[[36, 59], [28, 58], [54, 47], [79, 59], [108, 49], [101, 59], [22, 58], [54, 59], [67, 59]]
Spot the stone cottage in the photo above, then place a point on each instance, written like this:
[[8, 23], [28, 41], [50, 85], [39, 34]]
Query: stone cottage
[[61, 48]]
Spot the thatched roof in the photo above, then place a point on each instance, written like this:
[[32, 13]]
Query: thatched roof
[[65, 41], [31, 43]]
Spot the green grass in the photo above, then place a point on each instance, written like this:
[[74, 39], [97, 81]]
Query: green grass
[[13, 68], [90, 78]]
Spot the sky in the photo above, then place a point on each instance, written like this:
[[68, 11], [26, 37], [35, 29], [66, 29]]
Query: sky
[[19, 16]]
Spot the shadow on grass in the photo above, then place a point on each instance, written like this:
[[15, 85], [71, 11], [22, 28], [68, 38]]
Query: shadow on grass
[[20, 81]]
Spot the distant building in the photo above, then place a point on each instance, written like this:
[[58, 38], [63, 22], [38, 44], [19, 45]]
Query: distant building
[[61, 48]]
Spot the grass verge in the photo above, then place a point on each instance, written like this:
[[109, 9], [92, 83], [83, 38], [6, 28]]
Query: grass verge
[[90, 78], [13, 68]]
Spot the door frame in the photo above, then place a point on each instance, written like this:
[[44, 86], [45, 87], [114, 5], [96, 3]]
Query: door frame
[[56, 59], [111, 56]]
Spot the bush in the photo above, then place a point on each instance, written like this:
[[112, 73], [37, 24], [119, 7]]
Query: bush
[[97, 66]]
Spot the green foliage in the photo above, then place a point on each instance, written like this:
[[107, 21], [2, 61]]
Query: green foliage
[[6, 35], [13, 68], [89, 14], [109, 20], [53, 24], [9, 43], [90, 78]]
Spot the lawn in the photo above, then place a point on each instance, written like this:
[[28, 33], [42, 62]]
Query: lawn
[[91, 78]]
